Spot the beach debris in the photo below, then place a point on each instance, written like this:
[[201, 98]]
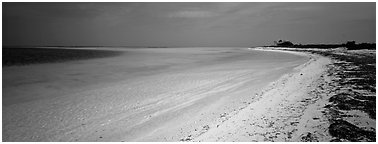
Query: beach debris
[[188, 138], [223, 115], [309, 137], [206, 127]]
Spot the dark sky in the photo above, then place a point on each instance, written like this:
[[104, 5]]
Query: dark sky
[[186, 24]]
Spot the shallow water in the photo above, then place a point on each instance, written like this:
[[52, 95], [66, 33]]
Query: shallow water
[[149, 94]]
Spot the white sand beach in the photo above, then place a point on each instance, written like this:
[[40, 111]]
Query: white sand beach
[[159, 94], [189, 71], [289, 109]]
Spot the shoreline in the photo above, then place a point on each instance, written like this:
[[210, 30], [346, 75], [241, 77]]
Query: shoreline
[[181, 90], [300, 107], [294, 106], [270, 120]]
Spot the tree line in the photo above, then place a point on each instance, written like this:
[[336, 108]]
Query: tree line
[[350, 45]]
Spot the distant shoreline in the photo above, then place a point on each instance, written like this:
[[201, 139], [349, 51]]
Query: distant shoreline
[[27, 56], [129, 47]]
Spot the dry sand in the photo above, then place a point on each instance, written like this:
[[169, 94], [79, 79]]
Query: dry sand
[[171, 94], [290, 109]]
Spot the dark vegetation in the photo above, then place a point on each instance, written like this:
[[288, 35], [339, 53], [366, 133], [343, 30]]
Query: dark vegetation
[[346, 101], [345, 130], [283, 43], [354, 88], [350, 45], [26, 56]]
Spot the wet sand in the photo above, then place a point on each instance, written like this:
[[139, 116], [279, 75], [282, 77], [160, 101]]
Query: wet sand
[[149, 94]]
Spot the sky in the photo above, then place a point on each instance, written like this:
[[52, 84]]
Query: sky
[[186, 24]]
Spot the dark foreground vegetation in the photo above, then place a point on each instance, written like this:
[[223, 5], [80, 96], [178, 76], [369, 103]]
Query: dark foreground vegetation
[[26, 56], [357, 85], [353, 88]]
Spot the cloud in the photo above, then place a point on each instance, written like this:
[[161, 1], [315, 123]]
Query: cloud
[[204, 10], [192, 14]]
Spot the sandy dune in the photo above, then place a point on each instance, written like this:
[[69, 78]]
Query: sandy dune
[[169, 94]]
